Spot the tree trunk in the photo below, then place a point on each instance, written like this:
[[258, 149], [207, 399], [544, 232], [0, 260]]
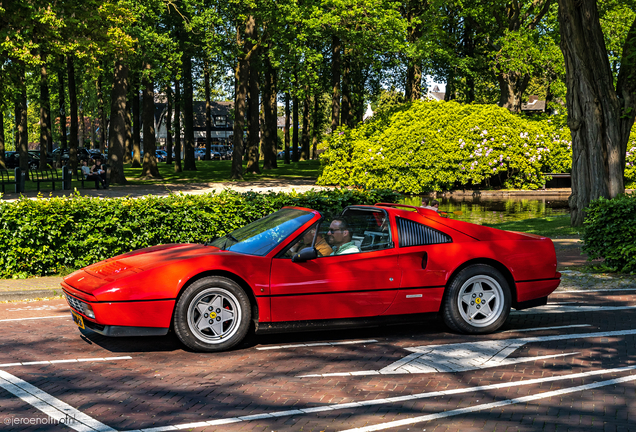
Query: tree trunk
[[177, 126], [600, 118], [81, 130], [304, 155], [335, 82], [208, 111], [136, 124], [22, 133], [117, 133], [149, 169], [46, 139], [169, 125], [62, 103], [270, 111], [253, 98], [188, 114], [511, 89], [294, 151], [128, 143], [2, 148], [101, 113], [315, 129], [240, 80], [72, 97], [287, 126], [346, 110]]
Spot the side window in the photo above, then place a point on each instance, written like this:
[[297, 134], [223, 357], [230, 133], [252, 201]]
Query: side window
[[370, 228], [415, 234], [306, 239]]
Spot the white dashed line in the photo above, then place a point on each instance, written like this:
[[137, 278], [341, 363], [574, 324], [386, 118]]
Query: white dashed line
[[36, 318], [598, 290], [317, 344], [547, 328], [492, 405], [41, 362], [53, 407], [557, 308], [398, 399]]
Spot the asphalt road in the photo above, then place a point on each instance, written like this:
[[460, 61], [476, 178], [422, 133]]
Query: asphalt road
[[570, 365]]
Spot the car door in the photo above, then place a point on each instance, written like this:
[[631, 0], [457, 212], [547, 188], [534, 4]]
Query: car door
[[354, 285]]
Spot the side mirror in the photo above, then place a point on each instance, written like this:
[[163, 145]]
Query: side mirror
[[305, 255]]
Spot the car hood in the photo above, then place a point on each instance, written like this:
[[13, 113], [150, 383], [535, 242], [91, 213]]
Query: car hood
[[90, 279]]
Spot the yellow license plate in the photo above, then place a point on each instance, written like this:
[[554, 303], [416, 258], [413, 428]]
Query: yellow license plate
[[78, 319]]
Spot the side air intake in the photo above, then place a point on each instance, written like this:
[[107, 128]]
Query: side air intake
[[415, 234]]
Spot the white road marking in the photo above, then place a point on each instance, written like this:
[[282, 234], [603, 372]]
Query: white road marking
[[558, 308], [53, 407], [547, 328], [395, 399], [317, 344], [598, 290], [97, 359], [492, 405], [36, 318], [467, 356]]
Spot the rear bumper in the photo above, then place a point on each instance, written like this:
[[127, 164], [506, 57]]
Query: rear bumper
[[530, 290]]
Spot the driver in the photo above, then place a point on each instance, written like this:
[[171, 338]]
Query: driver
[[339, 237], [321, 246]]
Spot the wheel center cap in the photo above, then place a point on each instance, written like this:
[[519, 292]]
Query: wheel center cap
[[212, 315], [477, 300]]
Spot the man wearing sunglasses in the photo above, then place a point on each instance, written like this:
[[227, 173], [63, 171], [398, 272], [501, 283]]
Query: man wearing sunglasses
[[339, 237]]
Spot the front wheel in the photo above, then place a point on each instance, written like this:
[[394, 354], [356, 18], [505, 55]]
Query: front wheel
[[478, 300], [213, 314]]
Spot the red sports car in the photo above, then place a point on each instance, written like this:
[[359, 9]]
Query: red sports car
[[294, 270]]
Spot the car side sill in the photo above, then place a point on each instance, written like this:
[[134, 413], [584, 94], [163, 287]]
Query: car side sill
[[319, 325], [125, 331], [541, 301]]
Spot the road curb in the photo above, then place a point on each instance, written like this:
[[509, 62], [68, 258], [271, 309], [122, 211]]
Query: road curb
[[29, 294]]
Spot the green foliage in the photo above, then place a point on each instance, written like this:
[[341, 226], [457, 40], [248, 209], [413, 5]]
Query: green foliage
[[427, 146], [48, 236], [610, 229]]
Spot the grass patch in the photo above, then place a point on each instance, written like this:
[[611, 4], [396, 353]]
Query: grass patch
[[219, 171], [552, 226]]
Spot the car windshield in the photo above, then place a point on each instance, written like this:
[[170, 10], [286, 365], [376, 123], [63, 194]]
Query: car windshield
[[263, 235]]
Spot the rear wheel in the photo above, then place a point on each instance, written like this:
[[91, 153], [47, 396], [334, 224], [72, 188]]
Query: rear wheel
[[213, 314], [478, 300]]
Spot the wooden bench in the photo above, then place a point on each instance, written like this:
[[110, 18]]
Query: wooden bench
[[46, 175], [5, 179]]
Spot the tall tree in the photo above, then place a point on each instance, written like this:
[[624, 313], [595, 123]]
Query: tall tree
[[177, 126], [72, 96], [117, 132], [46, 138], [149, 168], [600, 112]]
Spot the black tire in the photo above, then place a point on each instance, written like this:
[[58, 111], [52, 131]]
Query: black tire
[[477, 300], [213, 314]]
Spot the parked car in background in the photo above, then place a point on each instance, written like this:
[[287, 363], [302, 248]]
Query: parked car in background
[[12, 160], [82, 154], [161, 155], [281, 154], [95, 153]]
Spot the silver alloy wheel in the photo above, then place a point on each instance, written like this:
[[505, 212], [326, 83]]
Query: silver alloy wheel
[[480, 301], [214, 315]]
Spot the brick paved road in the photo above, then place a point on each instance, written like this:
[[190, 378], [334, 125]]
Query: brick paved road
[[580, 383]]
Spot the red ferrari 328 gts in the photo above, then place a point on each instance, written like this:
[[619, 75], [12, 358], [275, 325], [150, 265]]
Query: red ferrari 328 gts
[[271, 273]]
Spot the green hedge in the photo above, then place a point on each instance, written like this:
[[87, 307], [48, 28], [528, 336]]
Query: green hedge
[[610, 230], [432, 146], [54, 235]]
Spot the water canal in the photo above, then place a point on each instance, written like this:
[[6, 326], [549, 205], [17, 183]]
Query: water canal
[[496, 209]]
